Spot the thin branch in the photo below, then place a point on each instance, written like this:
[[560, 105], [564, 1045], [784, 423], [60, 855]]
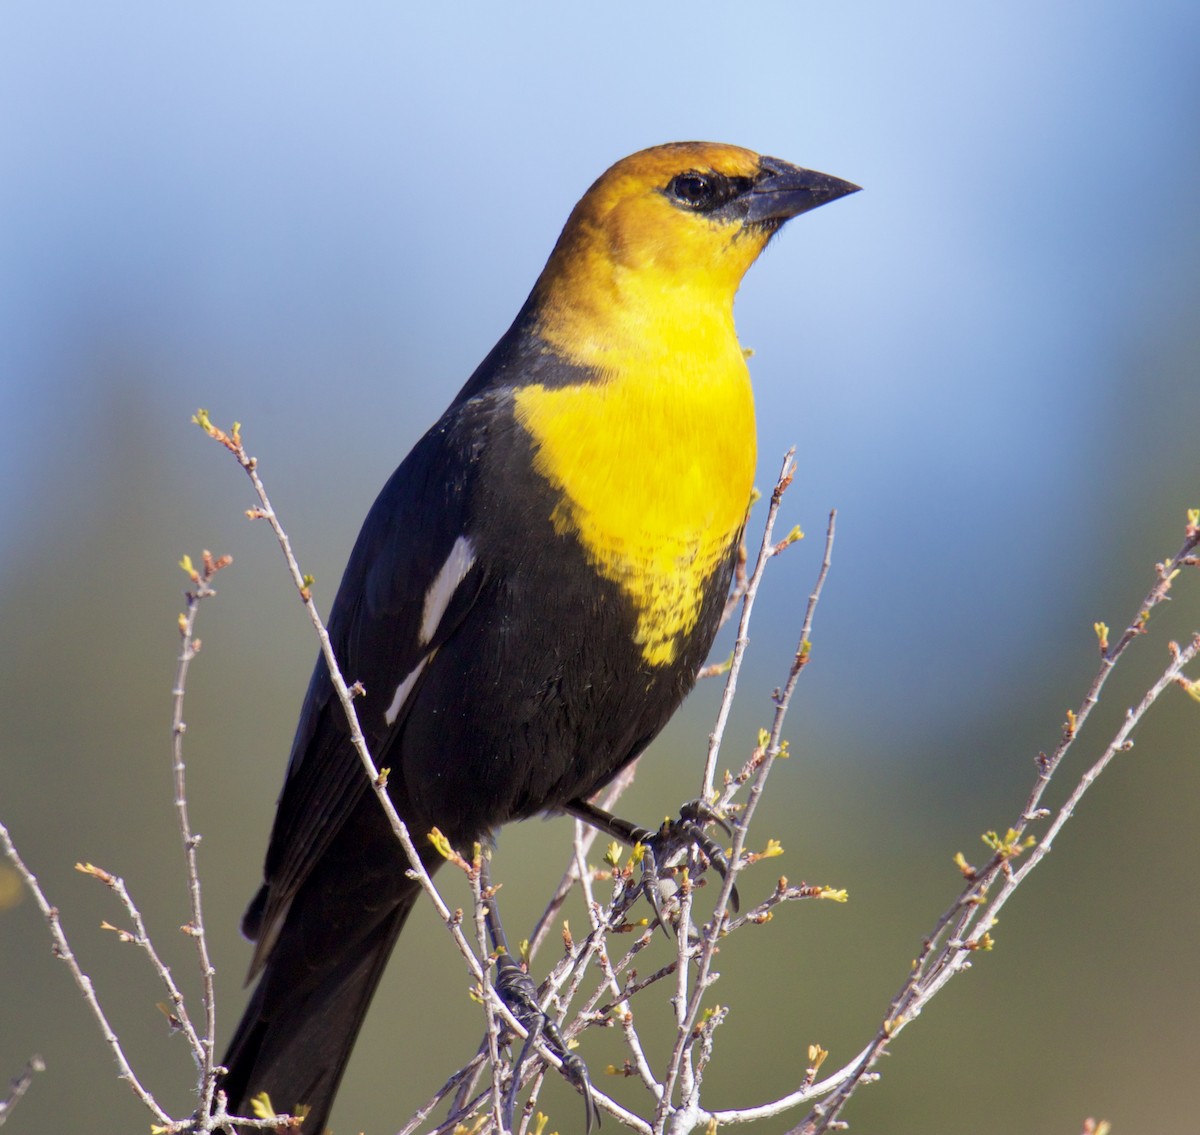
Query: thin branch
[[207, 1117], [621, 1004], [140, 938], [62, 950], [19, 1085], [716, 926], [204, 1048], [463, 1076], [488, 995], [749, 592], [964, 928]]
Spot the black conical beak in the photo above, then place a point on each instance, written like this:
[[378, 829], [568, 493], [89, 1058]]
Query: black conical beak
[[783, 191]]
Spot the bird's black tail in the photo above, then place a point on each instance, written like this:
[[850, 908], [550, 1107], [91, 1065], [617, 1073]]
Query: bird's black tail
[[295, 1038]]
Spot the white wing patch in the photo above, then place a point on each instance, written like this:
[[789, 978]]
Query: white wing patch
[[404, 689], [437, 599], [442, 590]]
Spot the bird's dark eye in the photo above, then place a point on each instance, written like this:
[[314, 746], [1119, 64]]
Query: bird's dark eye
[[692, 188]]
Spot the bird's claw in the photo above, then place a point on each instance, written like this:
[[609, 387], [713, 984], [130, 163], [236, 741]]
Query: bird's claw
[[658, 847], [576, 1073], [516, 989]]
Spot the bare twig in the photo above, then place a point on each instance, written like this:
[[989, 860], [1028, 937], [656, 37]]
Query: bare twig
[[965, 927], [19, 1085], [748, 594], [488, 994], [621, 1005], [140, 938], [690, 1113], [464, 1075], [203, 1047], [62, 950], [207, 1117]]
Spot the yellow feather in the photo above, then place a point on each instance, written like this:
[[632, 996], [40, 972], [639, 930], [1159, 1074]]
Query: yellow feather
[[655, 475]]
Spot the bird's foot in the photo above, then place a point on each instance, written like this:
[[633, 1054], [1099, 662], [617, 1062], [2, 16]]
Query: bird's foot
[[674, 836], [660, 847], [517, 990]]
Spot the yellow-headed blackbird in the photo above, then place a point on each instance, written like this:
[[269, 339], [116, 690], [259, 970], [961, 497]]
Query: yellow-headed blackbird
[[532, 593]]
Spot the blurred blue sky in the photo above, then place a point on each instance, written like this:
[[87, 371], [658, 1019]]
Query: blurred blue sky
[[317, 219]]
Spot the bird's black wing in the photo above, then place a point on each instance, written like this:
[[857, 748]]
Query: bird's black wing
[[410, 581]]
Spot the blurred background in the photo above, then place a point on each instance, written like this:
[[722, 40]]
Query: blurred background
[[317, 220]]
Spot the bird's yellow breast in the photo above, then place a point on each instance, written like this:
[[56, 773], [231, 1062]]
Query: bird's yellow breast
[[655, 470]]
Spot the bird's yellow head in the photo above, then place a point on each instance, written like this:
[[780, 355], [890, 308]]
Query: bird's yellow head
[[659, 244]]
